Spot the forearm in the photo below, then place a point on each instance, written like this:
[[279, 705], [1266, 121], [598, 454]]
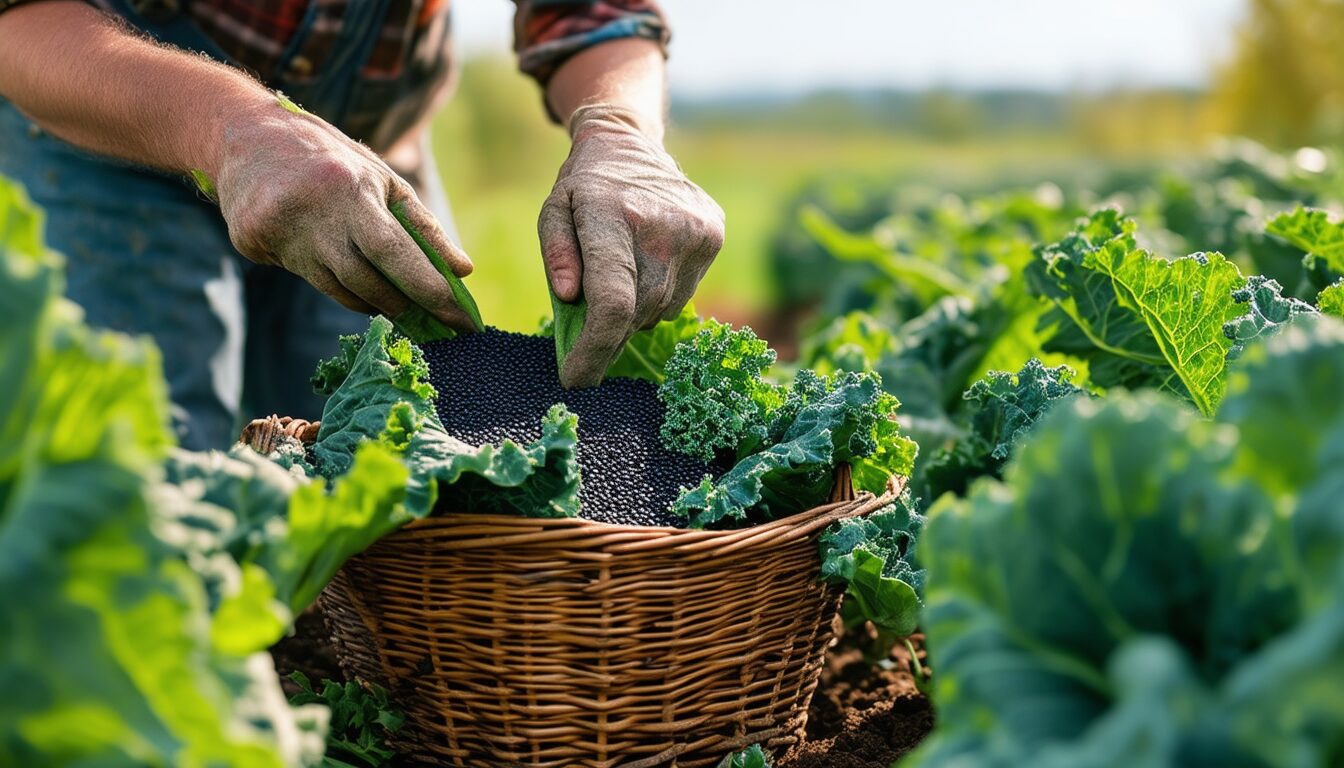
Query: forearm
[[90, 81], [628, 73]]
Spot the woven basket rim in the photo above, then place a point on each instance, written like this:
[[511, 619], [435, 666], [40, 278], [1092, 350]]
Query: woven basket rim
[[467, 530], [473, 530]]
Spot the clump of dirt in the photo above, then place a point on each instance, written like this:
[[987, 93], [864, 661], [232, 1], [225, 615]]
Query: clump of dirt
[[308, 650], [863, 716]]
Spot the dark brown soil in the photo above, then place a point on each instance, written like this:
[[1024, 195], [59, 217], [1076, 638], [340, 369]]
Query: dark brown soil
[[861, 716], [308, 650]]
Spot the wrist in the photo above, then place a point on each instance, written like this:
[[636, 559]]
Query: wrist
[[240, 126], [615, 116]]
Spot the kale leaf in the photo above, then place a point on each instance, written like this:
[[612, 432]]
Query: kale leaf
[[1267, 310], [385, 397], [111, 653], [874, 558], [717, 402], [1003, 407], [822, 422], [1139, 319], [1148, 587]]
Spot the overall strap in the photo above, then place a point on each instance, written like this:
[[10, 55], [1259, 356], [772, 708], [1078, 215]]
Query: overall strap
[[329, 94], [174, 28]]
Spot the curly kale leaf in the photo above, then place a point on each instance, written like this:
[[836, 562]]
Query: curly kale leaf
[[873, 558], [870, 440], [823, 422], [893, 454], [1148, 587], [331, 372], [386, 370], [1003, 407], [1007, 405], [717, 402], [1267, 309], [539, 479], [1312, 232], [781, 480], [1331, 299], [1139, 319], [386, 398]]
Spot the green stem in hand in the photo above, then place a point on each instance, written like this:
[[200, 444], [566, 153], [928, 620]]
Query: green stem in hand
[[415, 322]]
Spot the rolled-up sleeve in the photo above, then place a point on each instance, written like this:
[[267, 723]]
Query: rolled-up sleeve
[[547, 32]]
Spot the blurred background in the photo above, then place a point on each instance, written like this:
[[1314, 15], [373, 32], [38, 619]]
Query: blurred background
[[779, 106]]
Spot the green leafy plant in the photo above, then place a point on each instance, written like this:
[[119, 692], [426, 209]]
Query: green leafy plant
[[1313, 232], [1138, 319], [717, 402], [380, 394], [362, 719], [873, 557], [1148, 587], [114, 651], [1002, 409], [821, 423], [751, 757]]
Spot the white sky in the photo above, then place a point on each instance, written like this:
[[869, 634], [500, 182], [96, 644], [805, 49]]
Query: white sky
[[774, 46]]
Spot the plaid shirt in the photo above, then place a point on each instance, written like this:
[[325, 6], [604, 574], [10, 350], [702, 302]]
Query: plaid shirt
[[277, 42]]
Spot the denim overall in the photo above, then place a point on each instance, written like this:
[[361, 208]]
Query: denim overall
[[147, 254]]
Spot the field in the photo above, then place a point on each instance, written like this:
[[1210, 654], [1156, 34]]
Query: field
[[498, 158], [1121, 526], [1033, 461]]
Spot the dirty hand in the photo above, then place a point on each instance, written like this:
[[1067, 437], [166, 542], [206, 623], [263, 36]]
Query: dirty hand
[[299, 194], [625, 230]]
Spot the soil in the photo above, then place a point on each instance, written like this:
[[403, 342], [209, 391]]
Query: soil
[[308, 650], [861, 716]]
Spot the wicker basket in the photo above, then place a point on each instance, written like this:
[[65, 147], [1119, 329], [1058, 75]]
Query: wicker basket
[[554, 643]]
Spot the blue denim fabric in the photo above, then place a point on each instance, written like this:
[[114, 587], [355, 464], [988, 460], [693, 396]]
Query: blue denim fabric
[[145, 254]]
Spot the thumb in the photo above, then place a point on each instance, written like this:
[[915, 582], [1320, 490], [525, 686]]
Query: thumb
[[560, 247]]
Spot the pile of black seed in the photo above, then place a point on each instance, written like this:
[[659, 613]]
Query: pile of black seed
[[495, 385]]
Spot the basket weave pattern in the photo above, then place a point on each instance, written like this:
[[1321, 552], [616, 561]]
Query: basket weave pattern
[[554, 643]]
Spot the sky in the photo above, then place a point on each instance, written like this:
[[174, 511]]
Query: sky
[[732, 47]]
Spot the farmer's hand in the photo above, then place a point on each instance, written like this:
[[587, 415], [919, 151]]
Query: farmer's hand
[[294, 191], [299, 194], [627, 231]]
